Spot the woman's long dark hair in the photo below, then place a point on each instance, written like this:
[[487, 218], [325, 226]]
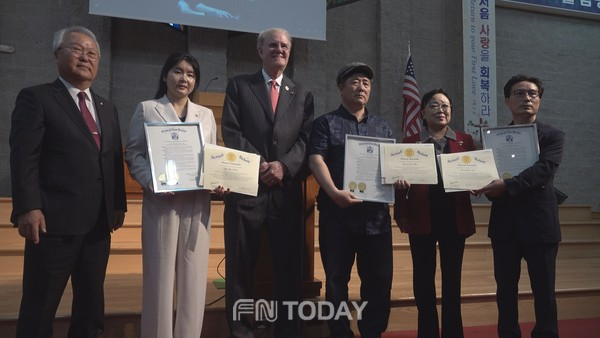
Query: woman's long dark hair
[[171, 62]]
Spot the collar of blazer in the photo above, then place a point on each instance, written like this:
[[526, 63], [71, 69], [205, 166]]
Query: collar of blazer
[[165, 109], [64, 99]]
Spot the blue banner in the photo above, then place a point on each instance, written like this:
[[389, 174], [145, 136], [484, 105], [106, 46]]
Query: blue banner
[[479, 62], [336, 3], [584, 8]]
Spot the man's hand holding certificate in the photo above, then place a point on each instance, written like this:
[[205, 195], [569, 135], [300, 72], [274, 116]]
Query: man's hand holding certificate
[[413, 162], [470, 170], [232, 169]]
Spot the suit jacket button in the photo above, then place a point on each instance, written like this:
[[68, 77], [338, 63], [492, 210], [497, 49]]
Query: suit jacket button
[[100, 179], [274, 142]]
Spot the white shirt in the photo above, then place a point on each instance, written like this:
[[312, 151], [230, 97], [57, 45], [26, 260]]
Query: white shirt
[[88, 101], [268, 81]]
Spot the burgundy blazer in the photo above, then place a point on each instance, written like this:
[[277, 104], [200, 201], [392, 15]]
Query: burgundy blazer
[[416, 208]]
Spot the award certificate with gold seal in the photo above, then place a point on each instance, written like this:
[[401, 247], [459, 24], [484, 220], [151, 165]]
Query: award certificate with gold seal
[[413, 162], [515, 147], [362, 169], [175, 152], [469, 170], [232, 169]]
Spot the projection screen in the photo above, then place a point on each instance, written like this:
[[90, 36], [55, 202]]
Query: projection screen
[[302, 18]]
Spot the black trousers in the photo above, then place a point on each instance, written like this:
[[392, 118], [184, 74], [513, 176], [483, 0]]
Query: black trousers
[[541, 267], [244, 222], [374, 262], [47, 268], [424, 251]]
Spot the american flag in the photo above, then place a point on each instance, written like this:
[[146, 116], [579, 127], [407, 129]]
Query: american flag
[[412, 101]]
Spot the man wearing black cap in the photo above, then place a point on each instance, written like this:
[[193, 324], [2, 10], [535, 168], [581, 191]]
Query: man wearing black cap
[[349, 227]]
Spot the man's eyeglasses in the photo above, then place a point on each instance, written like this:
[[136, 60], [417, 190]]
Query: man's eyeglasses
[[77, 51], [436, 107], [283, 46], [520, 93]]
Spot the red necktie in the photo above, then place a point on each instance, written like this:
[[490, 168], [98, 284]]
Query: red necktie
[[89, 120], [274, 95]]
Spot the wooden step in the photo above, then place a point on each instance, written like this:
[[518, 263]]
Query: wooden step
[[570, 229], [127, 240], [480, 211], [133, 217], [130, 234], [573, 306], [581, 239], [477, 282]]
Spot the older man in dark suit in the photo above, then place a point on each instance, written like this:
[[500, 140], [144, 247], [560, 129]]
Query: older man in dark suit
[[68, 189], [267, 114], [524, 219]]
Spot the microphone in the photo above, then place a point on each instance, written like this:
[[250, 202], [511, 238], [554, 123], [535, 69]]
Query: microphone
[[209, 82], [7, 49]]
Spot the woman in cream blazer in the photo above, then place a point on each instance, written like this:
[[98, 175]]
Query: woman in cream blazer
[[175, 226]]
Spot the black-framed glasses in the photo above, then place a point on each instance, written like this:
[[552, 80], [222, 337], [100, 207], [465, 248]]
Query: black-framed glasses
[[520, 93], [77, 51]]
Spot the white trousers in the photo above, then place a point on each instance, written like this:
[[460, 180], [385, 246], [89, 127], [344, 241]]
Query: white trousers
[[175, 247]]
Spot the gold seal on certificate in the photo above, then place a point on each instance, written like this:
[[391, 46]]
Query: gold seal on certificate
[[362, 187], [175, 153]]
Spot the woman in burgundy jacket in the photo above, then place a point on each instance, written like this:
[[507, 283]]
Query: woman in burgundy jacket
[[431, 216]]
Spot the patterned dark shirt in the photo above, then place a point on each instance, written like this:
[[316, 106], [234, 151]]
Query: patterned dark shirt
[[328, 139]]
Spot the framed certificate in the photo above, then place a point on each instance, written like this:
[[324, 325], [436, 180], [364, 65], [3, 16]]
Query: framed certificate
[[175, 152], [362, 169], [515, 147]]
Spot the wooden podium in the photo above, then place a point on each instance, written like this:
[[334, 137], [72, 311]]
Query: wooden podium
[[263, 276]]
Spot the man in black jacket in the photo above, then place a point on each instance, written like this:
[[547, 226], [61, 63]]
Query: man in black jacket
[[68, 189], [524, 219]]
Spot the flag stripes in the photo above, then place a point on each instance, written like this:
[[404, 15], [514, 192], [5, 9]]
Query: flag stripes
[[411, 107]]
